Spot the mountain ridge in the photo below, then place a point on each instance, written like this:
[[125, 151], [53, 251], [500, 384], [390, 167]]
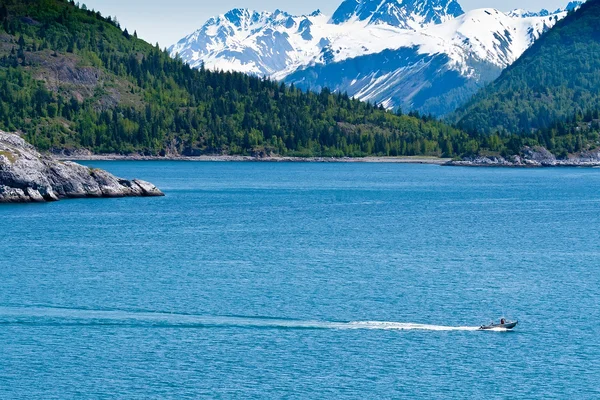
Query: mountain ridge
[[409, 14], [555, 80], [523, 13], [293, 48]]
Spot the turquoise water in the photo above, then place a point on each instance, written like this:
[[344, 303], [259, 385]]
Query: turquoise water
[[306, 281]]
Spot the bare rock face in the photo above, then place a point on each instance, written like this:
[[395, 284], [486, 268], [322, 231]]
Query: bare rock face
[[28, 176], [534, 157]]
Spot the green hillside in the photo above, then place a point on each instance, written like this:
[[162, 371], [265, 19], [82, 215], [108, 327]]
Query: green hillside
[[558, 77], [71, 78]]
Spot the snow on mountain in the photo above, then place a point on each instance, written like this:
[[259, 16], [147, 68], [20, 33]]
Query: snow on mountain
[[488, 35], [522, 13], [261, 43], [407, 14], [432, 70], [387, 51]]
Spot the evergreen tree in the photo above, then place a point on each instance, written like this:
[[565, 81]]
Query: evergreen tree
[[555, 79], [3, 13]]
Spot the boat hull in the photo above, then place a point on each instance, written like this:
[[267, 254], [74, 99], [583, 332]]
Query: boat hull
[[507, 326]]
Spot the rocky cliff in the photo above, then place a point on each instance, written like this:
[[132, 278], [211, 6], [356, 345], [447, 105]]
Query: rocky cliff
[[28, 176]]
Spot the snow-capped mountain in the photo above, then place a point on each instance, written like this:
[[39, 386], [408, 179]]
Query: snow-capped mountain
[[522, 13], [261, 43], [418, 54], [409, 14]]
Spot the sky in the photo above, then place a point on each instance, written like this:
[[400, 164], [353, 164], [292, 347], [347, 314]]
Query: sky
[[166, 22]]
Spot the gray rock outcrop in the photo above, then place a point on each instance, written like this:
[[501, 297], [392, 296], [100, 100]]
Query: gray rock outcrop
[[28, 176], [533, 157]]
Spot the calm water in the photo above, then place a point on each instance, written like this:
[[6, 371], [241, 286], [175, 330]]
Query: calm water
[[306, 281]]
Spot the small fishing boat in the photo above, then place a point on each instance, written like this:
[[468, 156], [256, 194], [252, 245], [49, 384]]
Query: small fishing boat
[[504, 324]]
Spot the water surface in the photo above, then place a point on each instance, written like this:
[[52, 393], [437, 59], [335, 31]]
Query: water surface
[[306, 280]]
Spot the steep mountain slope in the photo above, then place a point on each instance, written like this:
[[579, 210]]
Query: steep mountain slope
[[409, 14], [71, 79], [260, 43], [436, 69], [433, 56], [558, 76]]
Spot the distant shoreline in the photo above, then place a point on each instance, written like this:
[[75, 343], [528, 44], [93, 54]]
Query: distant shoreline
[[479, 163], [225, 158]]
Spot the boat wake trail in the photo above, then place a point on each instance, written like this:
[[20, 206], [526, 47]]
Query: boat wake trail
[[53, 316], [406, 326]]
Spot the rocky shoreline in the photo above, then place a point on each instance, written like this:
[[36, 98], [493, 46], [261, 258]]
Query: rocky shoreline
[[533, 157], [27, 176]]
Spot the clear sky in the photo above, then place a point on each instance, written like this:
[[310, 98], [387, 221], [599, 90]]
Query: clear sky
[[166, 22]]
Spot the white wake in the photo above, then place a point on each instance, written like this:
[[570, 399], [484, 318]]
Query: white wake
[[69, 316]]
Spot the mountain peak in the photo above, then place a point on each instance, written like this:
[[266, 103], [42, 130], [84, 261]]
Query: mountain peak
[[521, 13], [411, 14], [237, 15], [573, 5]]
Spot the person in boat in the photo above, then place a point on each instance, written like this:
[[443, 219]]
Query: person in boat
[[502, 321]]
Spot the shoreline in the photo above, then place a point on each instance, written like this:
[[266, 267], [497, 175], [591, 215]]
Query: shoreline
[[482, 162], [224, 158]]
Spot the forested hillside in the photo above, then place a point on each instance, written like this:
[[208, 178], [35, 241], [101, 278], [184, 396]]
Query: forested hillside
[[71, 78], [556, 78]]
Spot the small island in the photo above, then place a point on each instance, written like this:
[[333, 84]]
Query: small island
[[27, 176]]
